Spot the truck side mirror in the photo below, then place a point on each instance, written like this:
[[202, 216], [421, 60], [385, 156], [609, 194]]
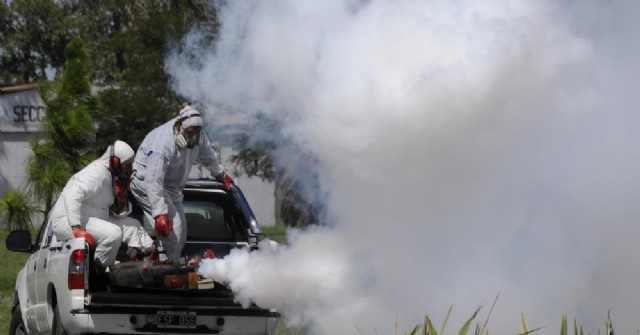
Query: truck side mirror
[[19, 241]]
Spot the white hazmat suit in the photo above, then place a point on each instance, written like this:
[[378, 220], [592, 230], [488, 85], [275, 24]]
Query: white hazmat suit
[[162, 166], [85, 201]]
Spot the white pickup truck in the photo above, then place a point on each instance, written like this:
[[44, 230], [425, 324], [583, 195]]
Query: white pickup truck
[[57, 293]]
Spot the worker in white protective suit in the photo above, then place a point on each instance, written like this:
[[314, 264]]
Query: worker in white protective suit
[[93, 205], [162, 164]]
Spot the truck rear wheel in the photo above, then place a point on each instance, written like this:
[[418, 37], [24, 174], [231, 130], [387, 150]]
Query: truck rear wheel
[[58, 329], [16, 327]]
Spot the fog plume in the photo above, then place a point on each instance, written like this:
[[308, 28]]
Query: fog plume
[[464, 148]]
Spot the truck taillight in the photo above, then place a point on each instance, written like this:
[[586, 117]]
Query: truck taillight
[[76, 270]]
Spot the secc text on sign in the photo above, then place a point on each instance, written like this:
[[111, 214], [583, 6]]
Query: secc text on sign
[[23, 113]]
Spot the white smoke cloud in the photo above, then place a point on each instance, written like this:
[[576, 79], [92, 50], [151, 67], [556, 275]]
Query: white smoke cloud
[[466, 149]]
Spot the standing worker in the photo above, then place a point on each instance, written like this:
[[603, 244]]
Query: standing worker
[[162, 164], [91, 206]]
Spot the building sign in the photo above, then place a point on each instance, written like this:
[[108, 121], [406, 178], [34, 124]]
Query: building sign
[[21, 109]]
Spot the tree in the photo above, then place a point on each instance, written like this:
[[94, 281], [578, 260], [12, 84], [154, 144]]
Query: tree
[[127, 41], [255, 159], [67, 142], [297, 203], [297, 185], [33, 34], [16, 209], [130, 42]]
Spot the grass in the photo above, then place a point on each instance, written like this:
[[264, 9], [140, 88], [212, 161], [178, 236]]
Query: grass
[[427, 327], [10, 263], [276, 233], [283, 330]]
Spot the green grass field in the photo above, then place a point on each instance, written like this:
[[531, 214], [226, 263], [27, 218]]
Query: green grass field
[[276, 233], [10, 263]]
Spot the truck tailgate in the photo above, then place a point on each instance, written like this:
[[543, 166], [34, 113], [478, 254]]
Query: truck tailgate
[[203, 301]]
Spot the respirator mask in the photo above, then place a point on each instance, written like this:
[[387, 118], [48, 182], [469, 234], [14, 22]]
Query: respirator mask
[[124, 174], [188, 138]]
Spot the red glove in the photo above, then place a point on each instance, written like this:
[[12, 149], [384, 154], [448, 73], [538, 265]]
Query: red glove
[[80, 232], [163, 225], [225, 179]]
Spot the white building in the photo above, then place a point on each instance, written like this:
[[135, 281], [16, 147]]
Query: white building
[[22, 109]]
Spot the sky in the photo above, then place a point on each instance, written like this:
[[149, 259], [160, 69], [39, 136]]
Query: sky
[[465, 149]]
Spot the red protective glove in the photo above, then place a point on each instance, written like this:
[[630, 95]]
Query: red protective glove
[[80, 232], [163, 225], [225, 179]]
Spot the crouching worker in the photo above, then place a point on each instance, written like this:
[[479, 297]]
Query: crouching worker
[[162, 165], [93, 205]]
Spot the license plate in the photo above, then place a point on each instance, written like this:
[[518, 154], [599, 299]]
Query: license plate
[[176, 319]]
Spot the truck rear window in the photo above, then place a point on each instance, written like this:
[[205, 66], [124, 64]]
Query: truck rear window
[[211, 217], [206, 221]]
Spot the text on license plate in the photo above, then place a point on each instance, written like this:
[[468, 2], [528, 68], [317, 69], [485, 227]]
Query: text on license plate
[[176, 319]]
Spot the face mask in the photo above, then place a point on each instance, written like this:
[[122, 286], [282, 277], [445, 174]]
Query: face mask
[[121, 184], [187, 142], [192, 141], [181, 141], [125, 174]]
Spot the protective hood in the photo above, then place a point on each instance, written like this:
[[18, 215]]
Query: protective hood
[[119, 149], [190, 117]]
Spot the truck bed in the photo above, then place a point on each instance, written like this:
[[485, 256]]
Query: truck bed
[[218, 299]]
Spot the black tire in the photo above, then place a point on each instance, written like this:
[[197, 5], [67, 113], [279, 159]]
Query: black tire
[[16, 327], [56, 327]]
